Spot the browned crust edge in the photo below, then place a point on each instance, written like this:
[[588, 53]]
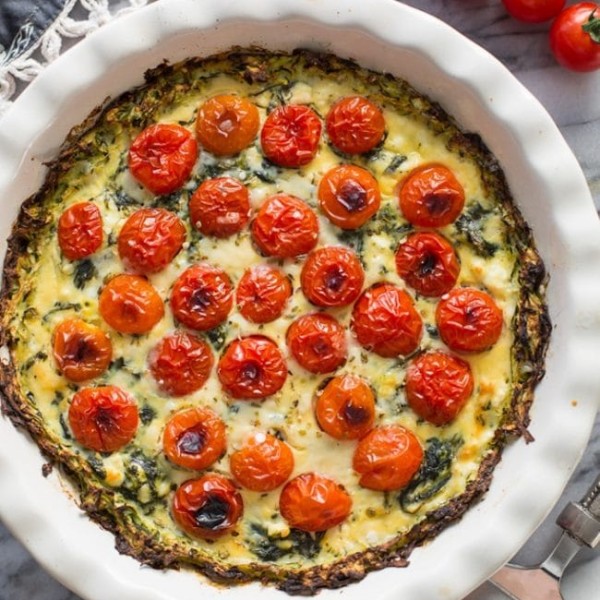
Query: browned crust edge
[[531, 325]]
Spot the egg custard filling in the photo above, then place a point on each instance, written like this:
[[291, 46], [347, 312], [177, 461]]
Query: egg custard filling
[[274, 316]]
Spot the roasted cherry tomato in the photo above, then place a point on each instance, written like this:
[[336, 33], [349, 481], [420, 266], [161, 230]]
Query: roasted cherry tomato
[[290, 135], [80, 230], [355, 125], [345, 408], [428, 263], [285, 227], [533, 11], [252, 368], [387, 458], [180, 363], [437, 386], [82, 351], [227, 124], [208, 507], [468, 320], [263, 463], [313, 502], [431, 196], [349, 196], [220, 207], [194, 438], [385, 321], [202, 297], [162, 157], [150, 239], [332, 276], [318, 343], [129, 304], [575, 37], [262, 293], [103, 419]]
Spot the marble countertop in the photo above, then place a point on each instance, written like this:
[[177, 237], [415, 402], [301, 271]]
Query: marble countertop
[[573, 100]]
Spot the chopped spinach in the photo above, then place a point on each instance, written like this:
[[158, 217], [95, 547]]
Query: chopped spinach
[[395, 164], [123, 200], [272, 548], [38, 356], [60, 306], [470, 227], [217, 336], [84, 271], [97, 466], [147, 414], [433, 475]]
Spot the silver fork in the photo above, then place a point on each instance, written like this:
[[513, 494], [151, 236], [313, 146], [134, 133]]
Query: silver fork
[[581, 524]]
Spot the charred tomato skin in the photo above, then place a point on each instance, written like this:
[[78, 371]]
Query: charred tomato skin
[[332, 276], [180, 363], [162, 157], [355, 125], [208, 507], [252, 368], [104, 419], [318, 342], [437, 386], [262, 293], [290, 135], [226, 124], [313, 502], [428, 263], [130, 304], [345, 407], [385, 321], [194, 438], [431, 196], [81, 350], [150, 239], [387, 458], [202, 297], [263, 463], [79, 230], [469, 320]]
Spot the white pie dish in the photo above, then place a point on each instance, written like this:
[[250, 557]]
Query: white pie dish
[[548, 186]]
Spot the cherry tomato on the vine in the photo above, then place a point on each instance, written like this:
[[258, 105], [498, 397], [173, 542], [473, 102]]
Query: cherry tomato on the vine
[[318, 342], [162, 157], [262, 293], [332, 276], [385, 321], [129, 304], [437, 386], [468, 320], [180, 363], [575, 37], [285, 227], [533, 11], [150, 239], [208, 507], [202, 297], [313, 502], [103, 419], [431, 196], [227, 124], [263, 463], [252, 368], [345, 408], [290, 135], [349, 196], [355, 125], [80, 230], [194, 438], [428, 263], [81, 350], [387, 458], [220, 207]]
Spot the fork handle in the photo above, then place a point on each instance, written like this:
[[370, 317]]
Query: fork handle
[[582, 519]]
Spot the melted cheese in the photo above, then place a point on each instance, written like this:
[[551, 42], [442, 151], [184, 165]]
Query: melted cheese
[[376, 517]]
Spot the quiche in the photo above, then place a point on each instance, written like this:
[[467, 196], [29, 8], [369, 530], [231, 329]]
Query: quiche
[[275, 316]]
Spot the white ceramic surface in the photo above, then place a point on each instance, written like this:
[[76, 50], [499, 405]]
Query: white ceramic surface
[[484, 97]]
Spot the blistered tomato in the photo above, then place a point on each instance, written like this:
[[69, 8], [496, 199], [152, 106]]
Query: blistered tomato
[[262, 293], [80, 230]]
